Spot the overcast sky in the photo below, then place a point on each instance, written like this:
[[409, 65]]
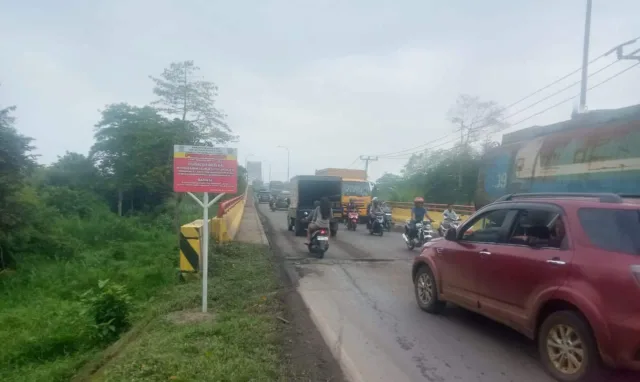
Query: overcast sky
[[331, 80]]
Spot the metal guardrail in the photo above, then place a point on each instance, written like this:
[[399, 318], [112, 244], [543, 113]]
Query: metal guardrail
[[459, 208]]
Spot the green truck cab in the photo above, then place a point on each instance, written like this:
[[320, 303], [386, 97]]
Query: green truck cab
[[306, 189]]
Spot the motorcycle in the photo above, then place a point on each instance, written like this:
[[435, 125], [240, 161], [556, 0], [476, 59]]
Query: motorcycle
[[388, 222], [319, 242], [352, 220], [377, 226], [424, 233], [272, 205], [446, 224]]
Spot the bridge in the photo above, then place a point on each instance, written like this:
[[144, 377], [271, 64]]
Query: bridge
[[361, 298]]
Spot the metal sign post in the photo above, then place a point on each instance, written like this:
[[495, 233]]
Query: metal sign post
[[204, 252], [208, 170]]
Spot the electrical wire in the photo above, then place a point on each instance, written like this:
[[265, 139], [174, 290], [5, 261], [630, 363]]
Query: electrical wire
[[518, 101], [535, 114]]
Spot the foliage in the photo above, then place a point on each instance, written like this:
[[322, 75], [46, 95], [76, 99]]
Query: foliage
[[448, 175], [59, 234], [473, 118], [110, 308], [238, 343], [192, 101]]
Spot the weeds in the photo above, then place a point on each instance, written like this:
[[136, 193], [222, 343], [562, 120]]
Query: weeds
[[46, 328]]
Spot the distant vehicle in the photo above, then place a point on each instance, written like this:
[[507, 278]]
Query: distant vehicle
[[275, 186], [256, 184], [354, 186], [264, 196], [282, 200], [307, 189], [598, 151], [563, 269]]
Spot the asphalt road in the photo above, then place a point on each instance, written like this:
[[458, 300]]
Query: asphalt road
[[361, 298]]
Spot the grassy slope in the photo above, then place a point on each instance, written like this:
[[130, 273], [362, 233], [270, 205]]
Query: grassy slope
[[239, 342], [44, 334]]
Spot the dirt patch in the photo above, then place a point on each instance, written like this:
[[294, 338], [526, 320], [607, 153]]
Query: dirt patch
[[184, 317], [307, 357]]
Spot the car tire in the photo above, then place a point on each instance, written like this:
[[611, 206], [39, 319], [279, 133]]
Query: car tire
[[554, 330], [425, 281], [299, 231]]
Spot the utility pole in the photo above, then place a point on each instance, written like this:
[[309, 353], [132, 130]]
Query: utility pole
[[366, 160], [585, 59], [288, 160]]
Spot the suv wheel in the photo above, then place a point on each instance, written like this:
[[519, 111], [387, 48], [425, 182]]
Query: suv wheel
[[567, 348], [427, 291]]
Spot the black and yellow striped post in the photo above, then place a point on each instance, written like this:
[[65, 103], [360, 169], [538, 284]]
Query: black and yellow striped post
[[190, 248]]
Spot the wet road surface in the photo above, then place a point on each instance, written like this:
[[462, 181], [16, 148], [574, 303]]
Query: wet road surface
[[361, 297]]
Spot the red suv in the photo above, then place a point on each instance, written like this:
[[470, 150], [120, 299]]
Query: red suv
[[563, 269]]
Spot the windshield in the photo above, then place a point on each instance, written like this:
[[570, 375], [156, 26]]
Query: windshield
[[355, 188]]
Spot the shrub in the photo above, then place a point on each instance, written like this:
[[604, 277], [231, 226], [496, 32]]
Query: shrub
[[110, 308]]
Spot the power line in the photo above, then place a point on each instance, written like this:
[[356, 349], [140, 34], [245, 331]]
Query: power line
[[540, 112], [521, 100]]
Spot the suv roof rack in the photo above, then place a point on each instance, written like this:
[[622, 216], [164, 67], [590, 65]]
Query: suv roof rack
[[603, 197]]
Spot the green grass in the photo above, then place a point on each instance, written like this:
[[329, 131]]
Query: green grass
[[239, 342], [44, 332]]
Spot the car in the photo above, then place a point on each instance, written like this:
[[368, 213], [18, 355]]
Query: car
[[561, 268], [264, 197]]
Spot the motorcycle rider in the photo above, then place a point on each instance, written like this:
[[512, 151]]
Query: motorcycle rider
[[375, 208], [351, 207], [418, 213], [449, 213], [320, 217], [311, 217]]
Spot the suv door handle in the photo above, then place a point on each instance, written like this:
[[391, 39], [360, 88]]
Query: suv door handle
[[556, 261], [485, 252]]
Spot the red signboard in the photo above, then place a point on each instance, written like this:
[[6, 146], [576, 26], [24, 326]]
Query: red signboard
[[205, 169]]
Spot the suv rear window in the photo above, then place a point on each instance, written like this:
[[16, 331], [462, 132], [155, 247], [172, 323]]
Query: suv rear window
[[612, 229]]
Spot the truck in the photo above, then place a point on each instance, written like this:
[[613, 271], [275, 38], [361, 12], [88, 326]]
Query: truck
[[598, 151], [305, 190], [354, 186], [275, 186]]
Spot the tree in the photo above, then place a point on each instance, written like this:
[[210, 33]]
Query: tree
[[131, 150], [73, 170], [192, 101], [16, 163], [474, 118], [181, 95]]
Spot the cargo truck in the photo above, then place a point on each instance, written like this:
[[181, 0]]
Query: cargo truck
[[305, 190], [354, 186]]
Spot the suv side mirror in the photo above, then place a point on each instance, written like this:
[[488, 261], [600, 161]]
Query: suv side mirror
[[451, 234]]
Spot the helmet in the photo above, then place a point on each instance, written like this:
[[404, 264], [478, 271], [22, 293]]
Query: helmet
[[375, 199], [418, 199]]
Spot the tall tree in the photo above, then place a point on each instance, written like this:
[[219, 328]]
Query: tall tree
[[473, 118], [184, 95], [16, 163], [130, 149]]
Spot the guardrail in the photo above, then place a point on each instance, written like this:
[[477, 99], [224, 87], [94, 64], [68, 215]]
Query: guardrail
[[401, 211], [222, 228]]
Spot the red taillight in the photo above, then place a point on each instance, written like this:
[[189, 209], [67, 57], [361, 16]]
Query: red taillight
[[323, 232]]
